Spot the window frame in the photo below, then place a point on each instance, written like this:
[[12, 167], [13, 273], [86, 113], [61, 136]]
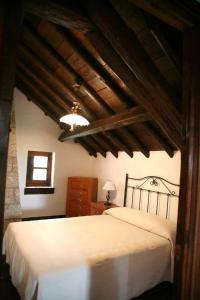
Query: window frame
[[29, 172]]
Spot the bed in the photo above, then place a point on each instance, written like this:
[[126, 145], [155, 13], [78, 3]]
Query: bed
[[115, 256]]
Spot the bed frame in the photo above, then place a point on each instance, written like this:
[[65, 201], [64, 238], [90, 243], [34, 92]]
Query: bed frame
[[146, 187], [163, 190]]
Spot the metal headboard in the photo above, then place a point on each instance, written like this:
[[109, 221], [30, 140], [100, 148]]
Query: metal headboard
[[160, 187]]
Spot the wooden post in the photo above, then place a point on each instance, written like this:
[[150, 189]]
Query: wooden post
[[187, 261], [10, 21]]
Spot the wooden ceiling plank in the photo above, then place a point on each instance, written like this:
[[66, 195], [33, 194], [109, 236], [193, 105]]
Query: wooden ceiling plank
[[52, 75], [65, 14], [145, 80], [101, 104], [161, 140], [130, 136], [168, 12], [87, 147], [95, 66], [129, 116], [105, 144], [118, 143]]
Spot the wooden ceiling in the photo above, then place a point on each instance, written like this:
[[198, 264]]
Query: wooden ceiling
[[120, 59]]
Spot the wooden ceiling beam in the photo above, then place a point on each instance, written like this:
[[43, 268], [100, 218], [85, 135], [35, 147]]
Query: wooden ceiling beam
[[165, 46], [135, 141], [99, 102], [145, 79], [29, 53], [95, 145], [39, 92], [105, 144], [51, 94], [87, 147], [95, 66], [115, 140], [127, 117], [66, 14], [160, 138], [166, 11]]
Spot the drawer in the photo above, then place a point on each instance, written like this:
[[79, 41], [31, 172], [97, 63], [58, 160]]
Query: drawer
[[79, 209], [74, 211], [85, 210], [78, 199], [77, 184], [78, 193]]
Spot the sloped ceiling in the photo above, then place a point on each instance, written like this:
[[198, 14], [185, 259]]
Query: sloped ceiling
[[123, 66]]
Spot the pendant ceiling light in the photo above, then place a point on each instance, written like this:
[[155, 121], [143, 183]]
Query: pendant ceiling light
[[74, 119]]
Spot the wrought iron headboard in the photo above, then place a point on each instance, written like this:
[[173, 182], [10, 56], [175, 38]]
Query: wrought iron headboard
[[162, 188]]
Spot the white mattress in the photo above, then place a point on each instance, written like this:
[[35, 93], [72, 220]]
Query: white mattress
[[85, 258]]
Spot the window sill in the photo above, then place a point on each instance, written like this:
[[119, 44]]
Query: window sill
[[38, 190]]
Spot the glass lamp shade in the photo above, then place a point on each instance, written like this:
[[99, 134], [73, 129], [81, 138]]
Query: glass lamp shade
[[109, 186], [73, 120]]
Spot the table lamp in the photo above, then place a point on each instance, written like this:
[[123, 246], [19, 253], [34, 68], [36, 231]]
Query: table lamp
[[108, 186]]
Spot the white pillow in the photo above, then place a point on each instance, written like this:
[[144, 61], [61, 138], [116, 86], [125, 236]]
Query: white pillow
[[146, 221]]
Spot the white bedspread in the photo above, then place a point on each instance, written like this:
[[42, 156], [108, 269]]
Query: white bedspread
[[85, 258]]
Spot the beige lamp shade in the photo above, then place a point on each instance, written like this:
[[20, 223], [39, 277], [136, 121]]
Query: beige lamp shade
[[109, 186]]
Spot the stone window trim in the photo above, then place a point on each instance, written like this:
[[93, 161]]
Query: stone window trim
[[38, 190]]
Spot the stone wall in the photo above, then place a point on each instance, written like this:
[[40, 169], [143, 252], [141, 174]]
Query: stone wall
[[12, 199]]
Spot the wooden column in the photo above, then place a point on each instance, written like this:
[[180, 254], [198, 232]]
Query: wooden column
[[10, 21], [187, 262]]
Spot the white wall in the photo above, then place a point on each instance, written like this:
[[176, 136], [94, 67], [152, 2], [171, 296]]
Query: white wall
[[110, 168], [37, 132]]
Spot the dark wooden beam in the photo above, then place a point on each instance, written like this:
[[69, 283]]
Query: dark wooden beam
[[106, 145], [165, 46], [66, 14], [11, 15], [134, 141], [95, 66], [38, 91], [95, 145], [87, 147], [166, 11], [160, 138], [98, 101], [115, 140], [66, 91], [145, 78], [129, 116], [187, 259], [36, 77]]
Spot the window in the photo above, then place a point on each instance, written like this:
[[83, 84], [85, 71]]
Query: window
[[39, 166]]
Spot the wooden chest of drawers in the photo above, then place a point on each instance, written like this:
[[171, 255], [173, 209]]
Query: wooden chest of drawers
[[81, 192]]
